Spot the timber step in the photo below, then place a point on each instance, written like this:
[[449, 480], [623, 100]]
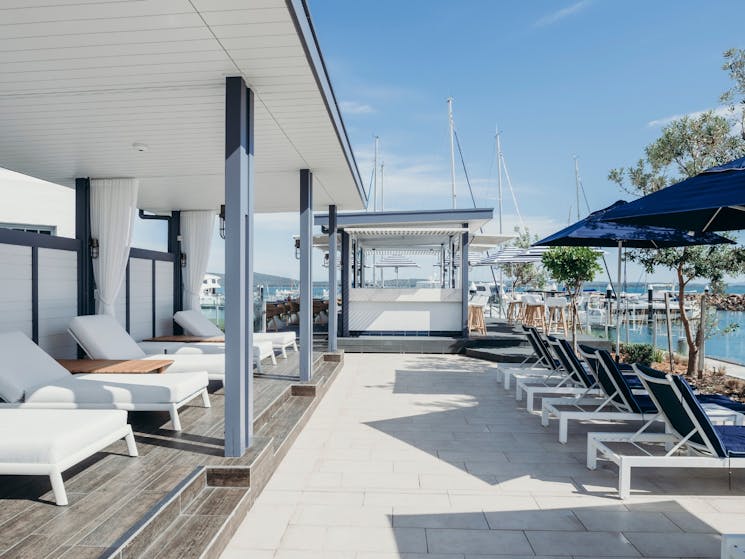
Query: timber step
[[199, 516]]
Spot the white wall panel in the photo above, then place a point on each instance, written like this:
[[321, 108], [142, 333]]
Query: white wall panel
[[163, 298], [140, 298], [15, 289], [58, 301]]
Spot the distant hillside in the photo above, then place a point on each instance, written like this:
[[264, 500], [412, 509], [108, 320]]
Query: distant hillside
[[263, 279]]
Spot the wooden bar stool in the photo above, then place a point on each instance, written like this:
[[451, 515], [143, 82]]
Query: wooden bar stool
[[535, 312], [476, 322], [557, 316]]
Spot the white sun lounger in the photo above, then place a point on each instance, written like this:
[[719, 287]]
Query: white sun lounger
[[546, 367], [102, 337], [48, 442], [195, 323], [576, 382], [687, 428], [29, 378]]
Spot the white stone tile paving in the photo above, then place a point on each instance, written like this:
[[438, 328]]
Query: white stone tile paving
[[422, 456]]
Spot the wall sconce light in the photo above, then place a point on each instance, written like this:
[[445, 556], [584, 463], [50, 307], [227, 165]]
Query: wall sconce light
[[297, 249], [183, 259], [222, 221], [93, 245], [325, 263]]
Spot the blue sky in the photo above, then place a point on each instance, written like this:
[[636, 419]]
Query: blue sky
[[592, 78]]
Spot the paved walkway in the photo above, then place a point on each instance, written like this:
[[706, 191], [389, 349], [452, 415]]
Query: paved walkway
[[420, 456]]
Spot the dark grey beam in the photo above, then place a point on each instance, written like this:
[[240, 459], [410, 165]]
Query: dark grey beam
[[306, 275], [86, 301], [238, 311], [464, 281], [174, 247], [346, 282], [332, 279]]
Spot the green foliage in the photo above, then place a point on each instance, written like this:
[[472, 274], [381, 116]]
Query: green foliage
[[645, 354], [524, 274], [571, 266], [686, 147], [734, 65]]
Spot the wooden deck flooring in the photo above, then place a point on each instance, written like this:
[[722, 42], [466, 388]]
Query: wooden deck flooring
[[110, 493]]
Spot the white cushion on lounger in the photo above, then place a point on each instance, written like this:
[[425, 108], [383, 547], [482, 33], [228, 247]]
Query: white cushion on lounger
[[38, 436], [196, 324], [102, 337], [281, 338], [118, 389], [152, 348], [23, 365], [186, 363]]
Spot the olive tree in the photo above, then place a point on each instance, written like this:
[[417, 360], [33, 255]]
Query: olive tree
[[572, 266], [685, 148], [524, 274]]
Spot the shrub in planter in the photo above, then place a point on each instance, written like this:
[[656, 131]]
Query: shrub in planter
[[646, 354]]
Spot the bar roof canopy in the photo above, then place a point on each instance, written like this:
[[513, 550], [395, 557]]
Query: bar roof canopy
[[86, 82], [415, 230]]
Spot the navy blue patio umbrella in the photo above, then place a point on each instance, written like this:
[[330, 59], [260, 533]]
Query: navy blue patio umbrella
[[711, 201], [595, 231]]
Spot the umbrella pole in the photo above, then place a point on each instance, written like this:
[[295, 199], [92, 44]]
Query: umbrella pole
[[618, 302]]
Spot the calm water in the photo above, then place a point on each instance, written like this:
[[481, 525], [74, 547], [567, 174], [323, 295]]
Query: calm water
[[730, 347]]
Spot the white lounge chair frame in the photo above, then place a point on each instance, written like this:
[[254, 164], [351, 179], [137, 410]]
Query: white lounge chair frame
[[698, 456], [543, 368], [54, 470], [172, 407], [603, 408], [565, 386]]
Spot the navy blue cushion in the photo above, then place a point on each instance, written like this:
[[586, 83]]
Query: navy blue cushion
[[645, 403], [733, 439], [633, 382], [721, 400]]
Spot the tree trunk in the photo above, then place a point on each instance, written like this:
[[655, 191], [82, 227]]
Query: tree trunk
[[692, 347]]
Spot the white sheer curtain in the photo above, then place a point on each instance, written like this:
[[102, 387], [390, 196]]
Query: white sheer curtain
[[197, 229], [113, 207]]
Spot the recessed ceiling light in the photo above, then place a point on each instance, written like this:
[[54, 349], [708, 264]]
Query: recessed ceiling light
[[139, 147]]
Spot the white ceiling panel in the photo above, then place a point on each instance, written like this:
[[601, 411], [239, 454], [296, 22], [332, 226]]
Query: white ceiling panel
[[83, 80]]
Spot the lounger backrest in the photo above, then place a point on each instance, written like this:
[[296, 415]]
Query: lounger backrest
[[102, 337], [543, 349], [24, 365], [576, 364], [680, 417], [613, 382], [694, 408], [537, 347], [196, 324], [576, 376]]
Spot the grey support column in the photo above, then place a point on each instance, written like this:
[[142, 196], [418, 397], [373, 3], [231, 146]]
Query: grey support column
[[238, 266], [306, 275], [174, 247], [333, 311], [346, 279], [86, 301], [464, 282]]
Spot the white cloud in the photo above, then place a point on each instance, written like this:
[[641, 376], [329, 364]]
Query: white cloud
[[355, 108], [558, 15], [726, 112]]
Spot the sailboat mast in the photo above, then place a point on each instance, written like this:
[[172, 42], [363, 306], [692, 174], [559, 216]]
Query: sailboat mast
[[375, 176], [382, 165], [576, 184], [499, 178], [452, 150]]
